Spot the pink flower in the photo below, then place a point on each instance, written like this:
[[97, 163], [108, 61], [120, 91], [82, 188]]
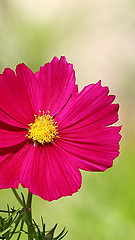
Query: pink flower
[[48, 131]]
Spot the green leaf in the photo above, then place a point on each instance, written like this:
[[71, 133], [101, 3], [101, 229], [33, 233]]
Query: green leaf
[[5, 231], [60, 235], [7, 223]]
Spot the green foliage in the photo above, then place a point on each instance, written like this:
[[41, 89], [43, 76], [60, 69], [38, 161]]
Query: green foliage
[[9, 226]]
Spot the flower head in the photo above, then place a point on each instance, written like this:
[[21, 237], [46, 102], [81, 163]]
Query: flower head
[[48, 130]]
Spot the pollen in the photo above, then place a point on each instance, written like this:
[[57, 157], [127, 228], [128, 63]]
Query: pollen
[[43, 130]]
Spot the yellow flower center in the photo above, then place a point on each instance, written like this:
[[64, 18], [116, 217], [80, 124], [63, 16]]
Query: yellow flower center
[[43, 130]]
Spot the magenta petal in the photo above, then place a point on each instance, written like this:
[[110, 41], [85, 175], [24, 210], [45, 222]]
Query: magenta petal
[[10, 112], [49, 173], [30, 84], [19, 92], [56, 85], [8, 119], [91, 107], [10, 165], [93, 150], [100, 119], [11, 138], [15, 107]]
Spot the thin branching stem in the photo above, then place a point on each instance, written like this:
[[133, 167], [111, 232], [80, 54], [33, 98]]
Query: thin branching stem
[[29, 200], [17, 197], [21, 228]]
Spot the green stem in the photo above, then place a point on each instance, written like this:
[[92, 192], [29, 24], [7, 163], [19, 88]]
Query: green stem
[[17, 197], [5, 211], [29, 202], [29, 213], [21, 228]]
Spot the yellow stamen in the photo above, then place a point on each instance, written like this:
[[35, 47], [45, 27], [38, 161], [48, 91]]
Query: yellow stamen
[[43, 130]]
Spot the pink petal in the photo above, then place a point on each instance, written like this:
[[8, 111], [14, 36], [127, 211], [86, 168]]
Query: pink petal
[[15, 106], [92, 108], [10, 138], [94, 150], [10, 165], [103, 118], [48, 172], [30, 84], [56, 85]]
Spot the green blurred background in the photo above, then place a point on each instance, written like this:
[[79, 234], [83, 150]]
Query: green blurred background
[[98, 37]]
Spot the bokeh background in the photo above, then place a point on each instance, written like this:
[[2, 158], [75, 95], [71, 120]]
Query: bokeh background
[[98, 37]]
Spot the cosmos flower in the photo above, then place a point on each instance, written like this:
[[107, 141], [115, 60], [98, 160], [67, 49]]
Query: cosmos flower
[[49, 131]]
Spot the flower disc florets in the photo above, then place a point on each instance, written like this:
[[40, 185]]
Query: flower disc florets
[[43, 130]]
